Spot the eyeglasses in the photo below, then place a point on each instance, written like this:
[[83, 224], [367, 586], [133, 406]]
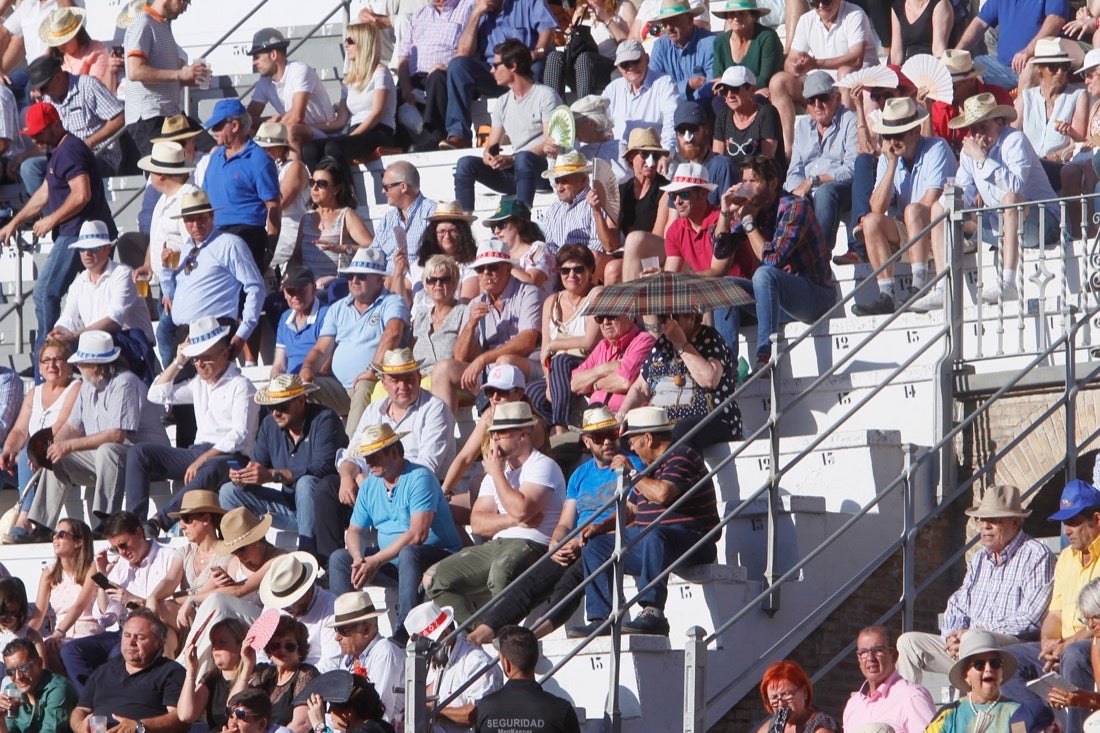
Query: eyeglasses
[[241, 714], [981, 664], [495, 64], [8, 613], [604, 436], [693, 129], [820, 3], [604, 319], [52, 360], [485, 269], [441, 280], [191, 261], [566, 271], [874, 651], [188, 518], [349, 41], [446, 232], [120, 547], [684, 195], [782, 696], [894, 136], [288, 646], [320, 183], [352, 277], [822, 99], [492, 392], [880, 95], [496, 226], [731, 91], [1055, 68], [388, 186], [630, 64], [23, 670], [63, 534], [348, 629]]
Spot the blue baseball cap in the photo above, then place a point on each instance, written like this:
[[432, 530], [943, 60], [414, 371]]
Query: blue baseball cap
[[689, 113], [223, 110], [1076, 498]]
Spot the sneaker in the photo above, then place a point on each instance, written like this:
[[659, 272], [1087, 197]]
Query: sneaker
[[152, 529], [880, 306], [999, 291], [581, 632], [454, 142], [929, 302], [650, 621], [850, 258]]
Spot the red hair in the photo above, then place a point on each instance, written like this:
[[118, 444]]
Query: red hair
[[790, 672]]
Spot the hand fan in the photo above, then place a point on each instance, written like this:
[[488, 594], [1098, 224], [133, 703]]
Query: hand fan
[[874, 76], [602, 172], [263, 628], [929, 75], [562, 129]]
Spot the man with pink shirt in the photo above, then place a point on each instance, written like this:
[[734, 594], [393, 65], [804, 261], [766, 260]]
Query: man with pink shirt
[[885, 697], [606, 375]]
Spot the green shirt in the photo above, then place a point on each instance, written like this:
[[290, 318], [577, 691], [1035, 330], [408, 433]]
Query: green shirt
[[763, 58], [56, 697]]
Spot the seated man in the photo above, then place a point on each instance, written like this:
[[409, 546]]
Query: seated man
[[966, 82], [295, 448], [427, 428], [1021, 23], [998, 166], [472, 69], [1005, 592], [518, 507], [578, 216], [111, 416], [885, 697], [368, 653], [684, 52], [140, 688], [48, 699], [912, 171], [289, 585], [300, 326], [503, 326], [695, 144], [360, 327], [403, 503], [292, 88], [225, 413], [522, 113], [649, 434], [824, 154], [641, 97]]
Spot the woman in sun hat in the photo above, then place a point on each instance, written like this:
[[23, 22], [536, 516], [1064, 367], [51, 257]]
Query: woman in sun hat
[[746, 41], [449, 233], [978, 674], [199, 516], [64, 31]]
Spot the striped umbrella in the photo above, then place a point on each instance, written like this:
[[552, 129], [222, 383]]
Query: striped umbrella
[[668, 293]]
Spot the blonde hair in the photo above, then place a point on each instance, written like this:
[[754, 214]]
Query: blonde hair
[[368, 55], [437, 262]]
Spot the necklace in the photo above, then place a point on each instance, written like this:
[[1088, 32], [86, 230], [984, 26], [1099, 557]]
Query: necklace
[[975, 709]]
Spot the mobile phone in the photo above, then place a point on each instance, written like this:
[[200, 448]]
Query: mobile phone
[[235, 464], [494, 149], [648, 263], [117, 51], [101, 580]]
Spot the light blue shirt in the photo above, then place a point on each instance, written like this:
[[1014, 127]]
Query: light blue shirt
[[1012, 166], [357, 335], [571, 223], [932, 166], [834, 152], [653, 106], [414, 225], [389, 510], [694, 58], [223, 267]]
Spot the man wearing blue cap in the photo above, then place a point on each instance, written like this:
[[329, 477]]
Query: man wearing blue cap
[[1065, 641]]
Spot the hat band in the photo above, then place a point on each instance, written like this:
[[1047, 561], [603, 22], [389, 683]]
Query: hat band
[[900, 122], [86, 237], [271, 140], [505, 422], [343, 618], [168, 163], [378, 444], [435, 624], [491, 253], [286, 394], [569, 168], [676, 9], [196, 209], [600, 425], [367, 266], [241, 538], [964, 72], [407, 366], [209, 336], [692, 181], [293, 588], [72, 26], [83, 355]]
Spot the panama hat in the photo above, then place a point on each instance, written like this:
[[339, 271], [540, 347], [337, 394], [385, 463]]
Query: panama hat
[[646, 420], [373, 439], [129, 11], [451, 211], [975, 642], [176, 128], [349, 608], [429, 620], [689, 175], [644, 140], [999, 501], [1049, 51], [95, 347], [271, 135], [367, 261], [167, 158], [568, 164], [241, 528], [672, 8], [961, 64], [288, 578], [397, 361], [729, 7], [598, 419], [981, 107], [93, 235], [61, 26], [1092, 60], [194, 202], [283, 388], [898, 115], [198, 501], [511, 415], [204, 333], [490, 253]]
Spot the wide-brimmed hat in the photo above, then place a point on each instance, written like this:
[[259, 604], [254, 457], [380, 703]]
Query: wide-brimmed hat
[[41, 70], [334, 687], [736, 76], [975, 642], [1092, 60], [283, 388], [61, 25], [367, 261], [1077, 496], [568, 164], [38, 117], [594, 107], [728, 7], [629, 50], [689, 175], [504, 376], [490, 253], [1049, 51], [999, 501], [288, 579], [352, 607], [961, 64], [599, 418], [272, 134], [644, 140], [241, 528], [373, 439], [166, 158], [93, 235], [898, 115], [397, 361], [204, 333], [429, 620], [646, 420], [198, 501], [194, 202], [267, 39], [223, 110], [981, 107], [672, 8], [176, 128], [95, 347], [450, 211], [509, 209], [816, 83], [512, 415]]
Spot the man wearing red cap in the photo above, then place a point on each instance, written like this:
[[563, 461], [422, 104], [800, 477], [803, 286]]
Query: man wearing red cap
[[71, 194]]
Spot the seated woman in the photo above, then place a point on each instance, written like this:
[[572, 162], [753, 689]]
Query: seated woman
[[594, 33], [359, 706], [689, 372], [437, 323], [285, 677], [746, 125], [746, 42], [644, 204], [206, 699], [15, 617], [788, 695], [199, 516], [449, 233], [294, 189], [978, 675], [595, 131], [534, 262], [59, 591]]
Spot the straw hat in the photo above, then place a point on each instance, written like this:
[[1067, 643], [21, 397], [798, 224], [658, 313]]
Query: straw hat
[[429, 620], [198, 501], [95, 347], [129, 11], [729, 7], [241, 528], [374, 439], [597, 419], [961, 64], [999, 501], [167, 158], [975, 642], [367, 261], [283, 388], [568, 164], [204, 333], [61, 26], [93, 235], [898, 115], [646, 420], [1049, 51], [353, 607], [981, 107], [644, 140], [511, 415], [397, 361], [451, 211], [288, 579], [271, 135], [176, 128], [194, 202], [672, 8]]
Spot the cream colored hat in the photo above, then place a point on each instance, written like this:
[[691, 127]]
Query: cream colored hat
[[397, 361], [167, 158], [567, 164], [61, 26], [961, 64], [898, 115], [981, 107], [283, 388], [374, 439]]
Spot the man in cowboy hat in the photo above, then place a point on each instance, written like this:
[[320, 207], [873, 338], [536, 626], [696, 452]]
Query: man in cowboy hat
[[684, 52], [110, 418], [1009, 565], [998, 167], [365, 324], [522, 113], [967, 82], [290, 586], [503, 326], [244, 541], [641, 97], [403, 502], [292, 88], [300, 327], [368, 653], [408, 214], [649, 435], [518, 506], [578, 216], [885, 696], [912, 171], [225, 413], [295, 448]]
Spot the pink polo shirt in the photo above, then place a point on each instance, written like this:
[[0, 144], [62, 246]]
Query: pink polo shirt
[[904, 705], [631, 351]]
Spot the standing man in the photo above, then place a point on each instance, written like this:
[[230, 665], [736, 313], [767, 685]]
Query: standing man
[[885, 697], [684, 52], [72, 194], [368, 653], [47, 698], [292, 88]]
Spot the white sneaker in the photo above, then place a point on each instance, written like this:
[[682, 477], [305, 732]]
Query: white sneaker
[[929, 302], [999, 291]]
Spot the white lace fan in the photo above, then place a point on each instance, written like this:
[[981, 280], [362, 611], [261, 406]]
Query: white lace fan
[[874, 76], [928, 74], [602, 172]]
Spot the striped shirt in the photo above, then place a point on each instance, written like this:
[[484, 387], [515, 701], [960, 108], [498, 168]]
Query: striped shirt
[[683, 468], [571, 223], [1006, 598], [86, 108], [436, 38], [150, 37]]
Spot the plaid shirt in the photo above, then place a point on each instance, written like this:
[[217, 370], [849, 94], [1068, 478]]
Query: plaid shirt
[[86, 108], [1009, 598], [435, 37], [795, 243]]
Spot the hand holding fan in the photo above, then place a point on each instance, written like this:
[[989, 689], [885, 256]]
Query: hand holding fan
[[874, 76], [562, 129], [602, 172], [930, 77], [263, 628]]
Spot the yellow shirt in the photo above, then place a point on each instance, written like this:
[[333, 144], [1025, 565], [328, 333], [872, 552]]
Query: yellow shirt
[[1070, 576]]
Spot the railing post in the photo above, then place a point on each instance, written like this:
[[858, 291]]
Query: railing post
[[952, 313], [695, 667], [1070, 410], [612, 713], [19, 295], [416, 675], [771, 572], [909, 550]]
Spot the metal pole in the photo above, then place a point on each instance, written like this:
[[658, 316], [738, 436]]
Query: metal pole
[[612, 714], [909, 553], [695, 667], [416, 676], [19, 295], [953, 315], [1070, 394], [771, 572]]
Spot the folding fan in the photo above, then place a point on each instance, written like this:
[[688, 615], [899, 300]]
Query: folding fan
[[928, 74]]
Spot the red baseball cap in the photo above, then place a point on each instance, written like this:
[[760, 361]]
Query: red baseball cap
[[40, 115]]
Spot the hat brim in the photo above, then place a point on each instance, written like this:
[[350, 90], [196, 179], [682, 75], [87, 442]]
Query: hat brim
[[201, 509], [191, 212], [758, 12], [283, 45], [692, 11], [1067, 513], [977, 513], [292, 596], [264, 398], [1001, 110], [147, 164], [957, 674], [599, 427], [1063, 59], [448, 612], [106, 359], [490, 260], [55, 41], [90, 243], [494, 428], [175, 137], [358, 452], [674, 187], [976, 70], [415, 367], [619, 60], [882, 129], [358, 270], [450, 216], [225, 548], [645, 149], [193, 350], [550, 175], [361, 616], [666, 428]]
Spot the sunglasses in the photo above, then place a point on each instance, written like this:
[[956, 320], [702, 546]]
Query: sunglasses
[[188, 518], [684, 195], [483, 269], [495, 64], [294, 292], [320, 183], [492, 392], [820, 3], [574, 270], [388, 186], [881, 94], [630, 64], [23, 670], [894, 136], [52, 360], [241, 714], [604, 319], [981, 664], [820, 99], [358, 276], [191, 261], [732, 91], [8, 613], [1055, 68], [693, 129], [441, 280], [121, 546], [604, 436], [348, 629], [496, 226], [349, 41], [288, 646], [63, 534]]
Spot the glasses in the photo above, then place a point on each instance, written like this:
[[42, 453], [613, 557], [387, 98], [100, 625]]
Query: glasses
[[493, 392], [577, 270], [347, 630], [684, 195], [191, 261], [23, 670], [362, 276], [732, 91], [693, 129], [495, 64], [630, 64], [605, 319], [446, 232], [894, 136], [294, 292], [52, 360], [241, 714], [388, 186], [9, 613], [777, 697], [349, 41], [485, 269], [120, 547], [874, 651], [820, 99], [820, 3], [188, 518], [288, 646], [880, 95], [981, 664], [496, 226], [320, 183], [441, 280], [1055, 68], [63, 534]]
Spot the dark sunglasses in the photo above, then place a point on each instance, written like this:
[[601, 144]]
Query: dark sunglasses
[[574, 270], [287, 646], [22, 670], [630, 64], [1054, 68], [693, 129], [820, 3], [981, 664], [120, 547], [604, 319], [191, 261], [731, 91], [495, 64], [358, 276], [821, 99], [894, 136], [492, 392], [8, 613], [496, 226], [603, 436], [241, 714], [348, 629], [188, 518], [349, 41], [63, 534], [482, 269], [319, 183], [441, 280], [881, 94], [684, 195]]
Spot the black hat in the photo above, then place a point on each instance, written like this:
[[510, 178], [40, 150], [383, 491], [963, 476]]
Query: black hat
[[267, 39], [42, 69], [298, 277]]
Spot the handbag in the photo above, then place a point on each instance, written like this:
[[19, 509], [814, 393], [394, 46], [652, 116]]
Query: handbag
[[580, 41]]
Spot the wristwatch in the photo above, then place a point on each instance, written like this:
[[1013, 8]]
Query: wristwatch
[[140, 728], [748, 224]]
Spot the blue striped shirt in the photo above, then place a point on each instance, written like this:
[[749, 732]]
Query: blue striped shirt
[[571, 223]]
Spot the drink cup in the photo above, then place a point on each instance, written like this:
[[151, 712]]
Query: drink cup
[[206, 75], [173, 258], [12, 693], [142, 285], [97, 724]]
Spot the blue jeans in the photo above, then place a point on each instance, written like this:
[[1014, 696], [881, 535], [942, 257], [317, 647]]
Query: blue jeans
[[82, 656], [996, 72], [830, 200], [33, 173], [291, 509], [645, 560], [863, 184], [522, 179], [1075, 666], [145, 214], [467, 76], [412, 561], [166, 335], [782, 296], [146, 462], [61, 268]]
